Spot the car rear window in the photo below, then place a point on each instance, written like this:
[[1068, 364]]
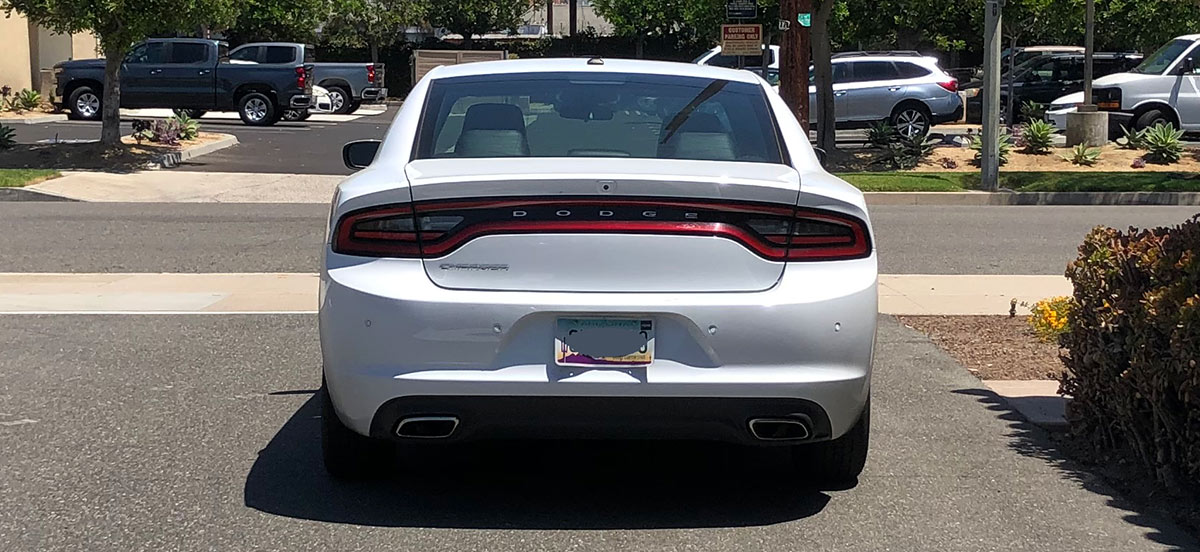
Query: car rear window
[[188, 52], [911, 70], [598, 115], [280, 54]]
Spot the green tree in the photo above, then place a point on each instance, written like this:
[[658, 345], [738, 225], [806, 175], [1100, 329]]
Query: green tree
[[278, 20], [373, 24], [477, 17], [641, 18], [119, 24]]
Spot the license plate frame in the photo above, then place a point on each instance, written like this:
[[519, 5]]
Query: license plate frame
[[606, 332]]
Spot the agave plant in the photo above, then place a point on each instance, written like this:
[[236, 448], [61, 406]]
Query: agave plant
[[1004, 145], [8, 137], [1083, 155], [1162, 144], [881, 134], [907, 153], [1039, 136], [1132, 138], [189, 128], [27, 99]]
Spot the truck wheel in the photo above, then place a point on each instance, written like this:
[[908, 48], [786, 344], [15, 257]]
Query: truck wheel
[[296, 114], [339, 99], [84, 104], [354, 105], [256, 109], [1151, 118], [191, 113]]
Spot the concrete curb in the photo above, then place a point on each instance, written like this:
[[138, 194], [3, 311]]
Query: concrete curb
[[1032, 198], [22, 194], [172, 159], [36, 120]]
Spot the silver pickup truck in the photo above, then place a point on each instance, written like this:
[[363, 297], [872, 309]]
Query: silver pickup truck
[[349, 84]]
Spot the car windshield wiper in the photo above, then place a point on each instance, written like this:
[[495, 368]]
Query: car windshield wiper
[[682, 117]]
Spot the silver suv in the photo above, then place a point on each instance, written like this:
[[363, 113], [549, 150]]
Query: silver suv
[[906, 89]]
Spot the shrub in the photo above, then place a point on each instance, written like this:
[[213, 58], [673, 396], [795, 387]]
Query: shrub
[[5, 97], [1138, 163], [1081, 154], [189, 128], [8, 137], [1134, 347], [948, 163], [27, 99], [1005, 148], [1131, 138], [1049, 317], [1039, 137], [907, 153], [881, 134], [160, 131], [1033, 111], [1162, 144]]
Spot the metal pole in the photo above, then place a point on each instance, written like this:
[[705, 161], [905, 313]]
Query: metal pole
[[1090, 48], [991, 96]]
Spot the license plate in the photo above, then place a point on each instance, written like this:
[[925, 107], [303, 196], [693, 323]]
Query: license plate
[[599, 342]]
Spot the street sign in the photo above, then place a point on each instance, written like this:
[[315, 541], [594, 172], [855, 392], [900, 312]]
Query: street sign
[[805, 19], [741, 40], [741, 9]]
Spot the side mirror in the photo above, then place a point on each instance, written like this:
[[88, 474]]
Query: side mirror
[[820, 155], [359, 154]]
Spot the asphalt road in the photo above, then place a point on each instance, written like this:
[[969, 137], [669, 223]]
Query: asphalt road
[[307, 147], [114, 237], [201, 433]]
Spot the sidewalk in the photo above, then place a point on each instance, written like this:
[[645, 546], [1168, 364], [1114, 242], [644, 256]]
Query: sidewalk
[[190, 187]]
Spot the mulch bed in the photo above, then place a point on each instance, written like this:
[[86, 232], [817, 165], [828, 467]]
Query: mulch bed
[[992, 347], [128, 157]]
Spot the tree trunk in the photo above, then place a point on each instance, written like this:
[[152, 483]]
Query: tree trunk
[[573, 16], [110, 129], [468, 40], [823, 66], [550, 17], [374, 52], [640, 48], [794, 60]]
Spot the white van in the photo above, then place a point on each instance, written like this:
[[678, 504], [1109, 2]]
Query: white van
[[1164, 88]]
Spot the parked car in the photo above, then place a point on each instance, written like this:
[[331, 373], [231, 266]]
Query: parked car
[[905, 89], [596, 248], [716, 58], [1164, 88], [1046, 78], [349, 84], [188, 74]]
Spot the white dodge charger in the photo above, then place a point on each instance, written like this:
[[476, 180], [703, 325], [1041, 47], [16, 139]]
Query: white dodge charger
[[596, 248]]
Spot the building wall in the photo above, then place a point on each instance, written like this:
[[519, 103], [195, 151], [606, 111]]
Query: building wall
[[84, 46], [14, 52], [562, 26]]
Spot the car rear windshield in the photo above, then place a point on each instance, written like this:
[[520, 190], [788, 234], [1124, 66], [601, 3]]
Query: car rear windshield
[[598, 115]]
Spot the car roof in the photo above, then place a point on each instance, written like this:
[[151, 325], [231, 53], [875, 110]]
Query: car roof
[[1050, 49], [586, 65], [1095, 54]]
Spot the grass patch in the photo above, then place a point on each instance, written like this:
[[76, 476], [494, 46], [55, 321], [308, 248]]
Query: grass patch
[[906, 181], [15, 178], [1049, 181]]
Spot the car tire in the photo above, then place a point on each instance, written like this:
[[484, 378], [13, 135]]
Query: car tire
[[838, 461], [1153, 117], [346, 454], [340, 100], [257, 109], [85, 104], [911, 120], [296, 114], [191, 113], [354, 105]]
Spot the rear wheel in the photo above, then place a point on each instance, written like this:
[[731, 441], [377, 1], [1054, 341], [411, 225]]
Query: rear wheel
[[84, 104], [347, 454], [912, 120], [256, 109], [840, 460], [339, 99], [1154, 117], [354, 105], [296, 114]]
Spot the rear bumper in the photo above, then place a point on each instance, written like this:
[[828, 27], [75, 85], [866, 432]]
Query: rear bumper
[[374, 94], [301, 101], [484, 417], [388, 333]]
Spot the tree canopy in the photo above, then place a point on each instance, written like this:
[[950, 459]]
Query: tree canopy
[[477, 17], [373, 24]]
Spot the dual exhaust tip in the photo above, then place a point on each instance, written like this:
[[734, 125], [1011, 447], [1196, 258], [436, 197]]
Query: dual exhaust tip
[[780, 429], [763, 429], [427, 427]]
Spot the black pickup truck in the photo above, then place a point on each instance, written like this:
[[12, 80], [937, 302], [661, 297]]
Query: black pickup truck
[[187, 74]]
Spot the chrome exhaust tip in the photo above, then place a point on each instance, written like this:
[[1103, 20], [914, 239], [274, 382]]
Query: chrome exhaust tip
[[779, 429], [427, 427]]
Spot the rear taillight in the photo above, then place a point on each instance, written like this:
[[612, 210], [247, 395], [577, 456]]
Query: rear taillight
[[301, 77], [950, 85], [435, 229], [371, 73]]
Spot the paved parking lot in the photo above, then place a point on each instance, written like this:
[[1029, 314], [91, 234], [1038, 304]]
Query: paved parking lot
[[308, 147], [200, 433]]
